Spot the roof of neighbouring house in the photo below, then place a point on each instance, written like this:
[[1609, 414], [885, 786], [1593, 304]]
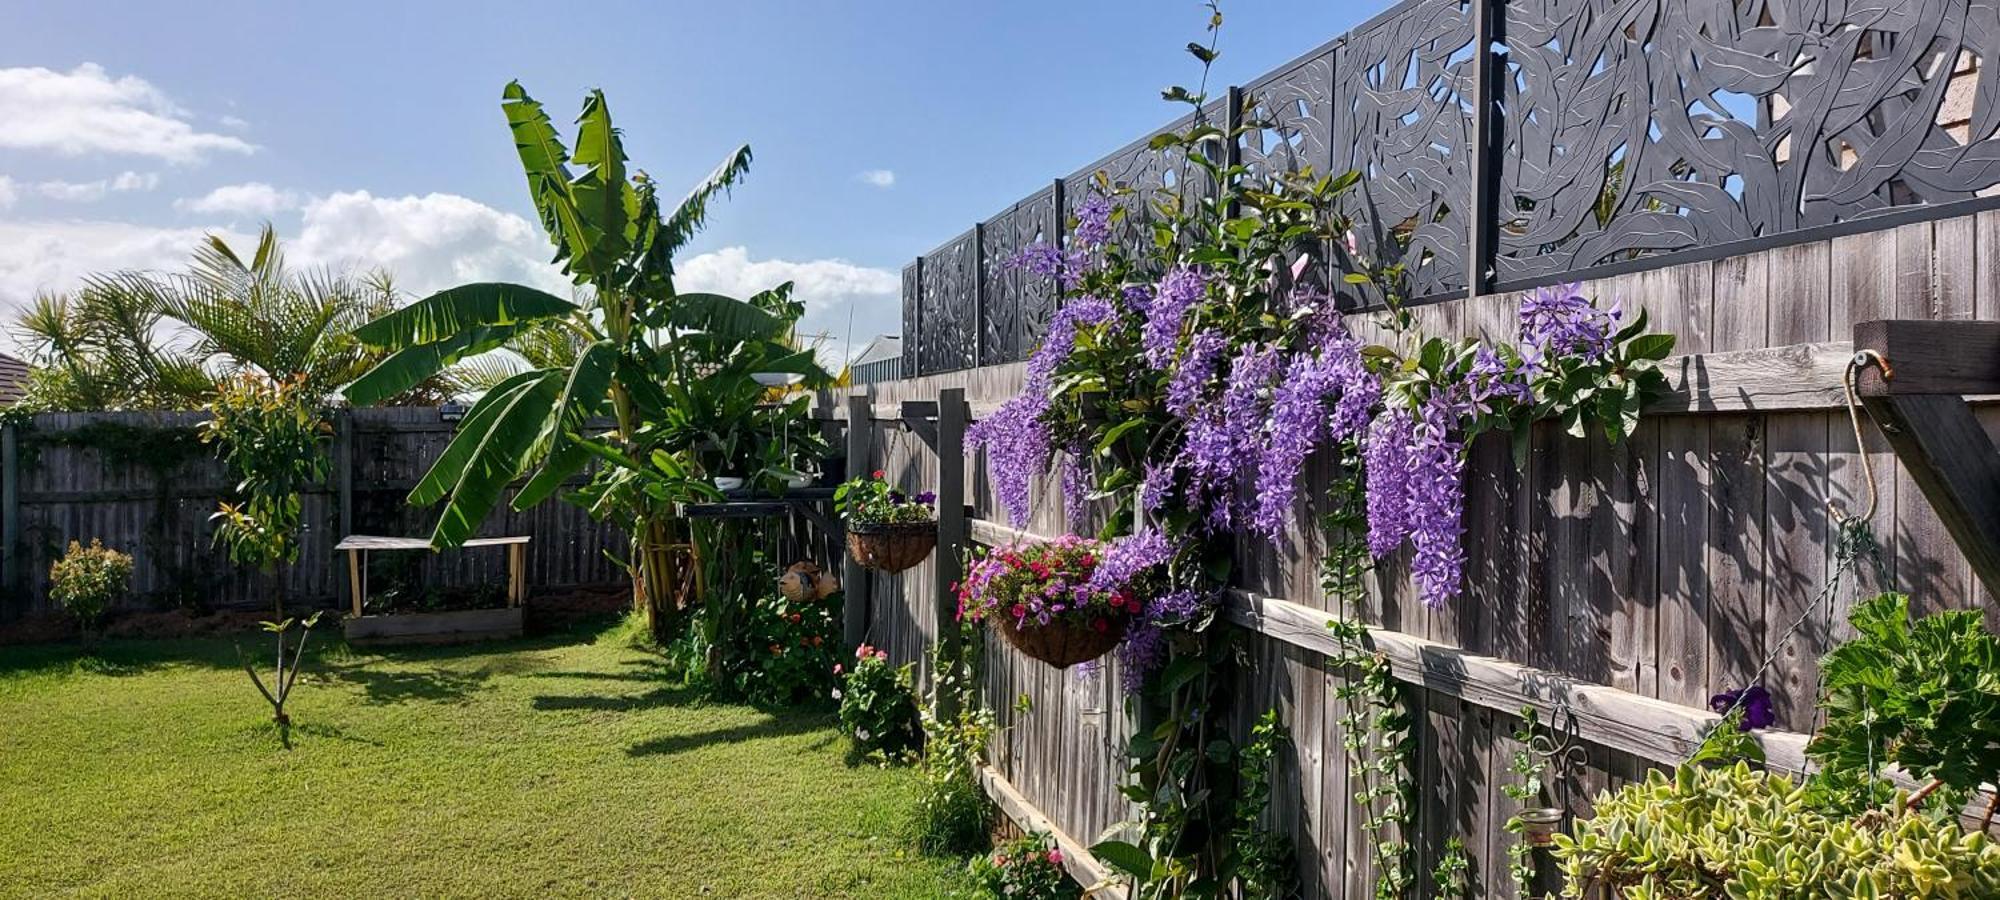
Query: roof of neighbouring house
[[884, 346], [13, 380]]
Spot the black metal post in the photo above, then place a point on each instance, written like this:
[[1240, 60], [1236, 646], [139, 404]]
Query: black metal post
[[1483, 215]]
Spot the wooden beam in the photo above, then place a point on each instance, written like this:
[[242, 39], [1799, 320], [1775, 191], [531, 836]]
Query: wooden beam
[[1952, 460], [952, 538], [854, 584], [1929, 357], [1793, 377], [1647, 727], [1077, 859]]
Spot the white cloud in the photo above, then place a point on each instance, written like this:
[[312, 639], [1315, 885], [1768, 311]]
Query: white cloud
[[881, 178], [233, 123], [7, 193], [250, 198], [93, 191], [846, 302], [435, 241], [85, 111], [429, 242]]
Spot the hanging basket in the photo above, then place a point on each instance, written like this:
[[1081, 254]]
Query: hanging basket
[[891, 547], [1060, 643]]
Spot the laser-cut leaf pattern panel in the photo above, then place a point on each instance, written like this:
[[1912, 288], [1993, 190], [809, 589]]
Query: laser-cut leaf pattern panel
[[1402, 117], [1638, 129], [1014, 310], [948, 310], [1289, 114]]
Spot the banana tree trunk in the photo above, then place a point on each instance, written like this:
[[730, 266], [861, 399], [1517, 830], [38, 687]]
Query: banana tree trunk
[[655, 587]]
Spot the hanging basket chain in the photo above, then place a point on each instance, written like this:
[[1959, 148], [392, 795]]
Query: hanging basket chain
[[1854, 540]]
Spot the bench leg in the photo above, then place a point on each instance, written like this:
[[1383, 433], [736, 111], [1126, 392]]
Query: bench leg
[[354, 579]]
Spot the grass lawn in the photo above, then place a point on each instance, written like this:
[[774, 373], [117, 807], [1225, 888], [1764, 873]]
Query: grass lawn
[[557, 766]]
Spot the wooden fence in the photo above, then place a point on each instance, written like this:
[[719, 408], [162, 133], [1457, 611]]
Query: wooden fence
[[1628, 583], [137, 482]]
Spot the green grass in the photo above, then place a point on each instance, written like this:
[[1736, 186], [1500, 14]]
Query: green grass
[[560, 766]]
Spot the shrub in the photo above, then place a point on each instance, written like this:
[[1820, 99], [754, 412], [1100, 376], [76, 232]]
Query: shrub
[[1028, 868], [87, 579], [878, 704], [953, 816], [790, 651], [1739, 832]]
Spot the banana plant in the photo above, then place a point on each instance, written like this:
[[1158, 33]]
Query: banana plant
[[643, 344]]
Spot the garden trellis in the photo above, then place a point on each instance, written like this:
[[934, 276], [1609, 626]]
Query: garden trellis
[[1625, 583]]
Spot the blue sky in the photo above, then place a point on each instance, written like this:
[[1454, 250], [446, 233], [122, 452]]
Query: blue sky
[[370, 133]]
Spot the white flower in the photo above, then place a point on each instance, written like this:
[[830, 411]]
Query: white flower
[[836, 693], [862, 733]]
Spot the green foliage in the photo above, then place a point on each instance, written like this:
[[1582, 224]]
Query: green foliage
[[270, 434], [142, 340], [1263, 862], [1736, 832], [1528, 769], [878, 705], [953, 816], [1922, 695], [782, 653], [1727, 741], [870, 501], [1026, 868], [1451, 877], [86, 580]]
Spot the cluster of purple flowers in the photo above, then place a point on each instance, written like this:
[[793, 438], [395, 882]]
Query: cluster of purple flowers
[[1050, 261], [1416, 491], [1180, 289], [1561, 321], [1129, 557], [1494, 378], [1191, 377], [1221, 437], [1015, 438], [1145, 646], [1300, 420], [1093, 221]]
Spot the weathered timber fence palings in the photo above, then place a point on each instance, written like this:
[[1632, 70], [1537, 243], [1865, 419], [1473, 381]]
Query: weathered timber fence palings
[[1628, 582], [155, 504]]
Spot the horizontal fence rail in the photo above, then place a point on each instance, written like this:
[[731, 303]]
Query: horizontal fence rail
[[1588, 138]]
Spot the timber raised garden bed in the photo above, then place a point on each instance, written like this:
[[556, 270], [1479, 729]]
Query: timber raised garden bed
[[443, 627]]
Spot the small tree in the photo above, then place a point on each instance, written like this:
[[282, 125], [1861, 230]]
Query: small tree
[[269, 433]]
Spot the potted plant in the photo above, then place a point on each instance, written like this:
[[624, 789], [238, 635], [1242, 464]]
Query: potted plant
[[887, 530], [1049, 599]]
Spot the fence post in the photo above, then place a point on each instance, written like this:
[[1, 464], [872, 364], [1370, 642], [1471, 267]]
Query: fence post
[[1482, 217], [952, 541], [978, 294], [10, 507], [853, 578]]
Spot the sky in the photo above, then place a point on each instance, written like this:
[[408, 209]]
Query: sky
[[370, 134]]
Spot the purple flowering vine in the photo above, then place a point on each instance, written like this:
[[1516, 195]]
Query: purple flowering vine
[[1179, 290], [1014, 436]]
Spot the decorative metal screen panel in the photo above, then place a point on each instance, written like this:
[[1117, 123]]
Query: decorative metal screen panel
[[1635, 129], [1402, 117], [948, 308], [1626, 133], [1014, 308], [1290, 117], [913, 326]]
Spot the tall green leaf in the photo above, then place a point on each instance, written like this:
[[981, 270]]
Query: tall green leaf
[[454, 310], [409, 366], [604, 199], [692, 213], [499, 458], [724, 317], [450, 465], [583, 396], [546, 163]]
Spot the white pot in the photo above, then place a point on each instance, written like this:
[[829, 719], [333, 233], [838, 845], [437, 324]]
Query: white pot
[[798, 481], [728, 483]]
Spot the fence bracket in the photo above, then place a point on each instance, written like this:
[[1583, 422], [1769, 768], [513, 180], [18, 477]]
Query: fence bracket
[[1918, 402]]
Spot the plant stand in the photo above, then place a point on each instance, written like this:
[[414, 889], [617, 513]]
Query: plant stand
[[434, 627]]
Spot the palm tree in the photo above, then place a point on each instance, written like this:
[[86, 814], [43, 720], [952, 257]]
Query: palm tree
[[139, 340]]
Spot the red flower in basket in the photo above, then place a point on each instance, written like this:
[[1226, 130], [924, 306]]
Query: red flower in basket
[[1048, 599]]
